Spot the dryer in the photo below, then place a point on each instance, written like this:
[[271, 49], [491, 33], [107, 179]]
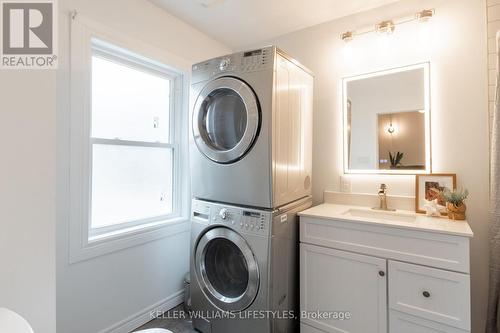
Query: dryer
[[244, 268], [251, 123]]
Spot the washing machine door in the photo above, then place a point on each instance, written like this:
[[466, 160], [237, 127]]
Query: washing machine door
[[226, 269], [226, 120]]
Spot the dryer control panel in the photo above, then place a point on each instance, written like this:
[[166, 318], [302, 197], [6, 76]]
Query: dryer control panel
[[244, 220], [241, 62]]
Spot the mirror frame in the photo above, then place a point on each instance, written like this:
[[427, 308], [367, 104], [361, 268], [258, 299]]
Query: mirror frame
[[427, 103]]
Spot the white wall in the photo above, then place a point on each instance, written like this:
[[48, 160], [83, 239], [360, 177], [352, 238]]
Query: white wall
[[27, 176], [493, 28], [101, 293], [456, 47]]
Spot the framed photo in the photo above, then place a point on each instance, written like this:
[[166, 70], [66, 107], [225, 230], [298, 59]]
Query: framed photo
[[428, 187]]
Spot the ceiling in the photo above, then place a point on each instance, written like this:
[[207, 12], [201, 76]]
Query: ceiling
[[239, 23]]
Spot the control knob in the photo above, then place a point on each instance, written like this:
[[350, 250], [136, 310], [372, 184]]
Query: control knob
[[224, 63], [223, 213]]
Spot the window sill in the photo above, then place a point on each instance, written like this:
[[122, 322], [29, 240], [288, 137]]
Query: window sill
[[121, 239]]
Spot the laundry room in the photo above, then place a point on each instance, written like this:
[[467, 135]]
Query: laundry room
[[222, 166]]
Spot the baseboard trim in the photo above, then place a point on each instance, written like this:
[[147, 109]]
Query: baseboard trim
[[142, 317]]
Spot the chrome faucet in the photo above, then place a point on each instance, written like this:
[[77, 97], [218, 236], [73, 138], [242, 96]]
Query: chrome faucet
[[382, 195]]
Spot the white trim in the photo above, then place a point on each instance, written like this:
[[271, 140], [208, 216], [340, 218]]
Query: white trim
[[427, 104], [110, 52], [142, 317], [128, 229], [120, 142], [84, 35]]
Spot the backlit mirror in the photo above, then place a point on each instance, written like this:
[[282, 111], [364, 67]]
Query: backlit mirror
[[387, 121]]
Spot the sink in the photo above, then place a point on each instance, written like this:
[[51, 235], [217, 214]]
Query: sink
[[380, 215]]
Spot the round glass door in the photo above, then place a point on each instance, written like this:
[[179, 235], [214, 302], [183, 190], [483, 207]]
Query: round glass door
[[227, 269], [225, 120]]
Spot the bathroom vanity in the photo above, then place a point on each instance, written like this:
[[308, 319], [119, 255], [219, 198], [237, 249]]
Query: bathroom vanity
[[392, 272]]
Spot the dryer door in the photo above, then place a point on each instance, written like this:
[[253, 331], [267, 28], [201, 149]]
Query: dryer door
[[226, 120], [226, 269]]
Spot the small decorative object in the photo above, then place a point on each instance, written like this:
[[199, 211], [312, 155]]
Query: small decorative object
[[396, 159], [433, 208], [455, 203], [429, 187]]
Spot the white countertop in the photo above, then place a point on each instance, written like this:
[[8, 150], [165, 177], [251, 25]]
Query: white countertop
[[422, 222]]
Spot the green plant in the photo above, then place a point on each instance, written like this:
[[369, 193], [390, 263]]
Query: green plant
[[455, 197], [396, 159]]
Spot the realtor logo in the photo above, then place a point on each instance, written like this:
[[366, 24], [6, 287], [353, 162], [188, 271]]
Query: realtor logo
[[28, 34]]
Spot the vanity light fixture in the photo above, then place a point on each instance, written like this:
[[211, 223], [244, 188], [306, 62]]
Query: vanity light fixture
[[388, 26], [425, 15], [347, 36], [385, 27]]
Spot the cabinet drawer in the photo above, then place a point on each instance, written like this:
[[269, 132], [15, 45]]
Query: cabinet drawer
[[429, 293], [403, 323], [419, 247]]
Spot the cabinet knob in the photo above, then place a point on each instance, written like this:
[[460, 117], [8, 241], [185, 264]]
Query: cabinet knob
[[381, 273], [426, 294]]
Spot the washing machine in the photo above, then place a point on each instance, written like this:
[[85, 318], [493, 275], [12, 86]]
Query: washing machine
[[244, 268], [251, 141]]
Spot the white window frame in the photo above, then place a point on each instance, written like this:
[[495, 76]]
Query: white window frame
[[89, 38]]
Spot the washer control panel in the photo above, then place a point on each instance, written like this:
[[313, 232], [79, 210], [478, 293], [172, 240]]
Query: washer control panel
[[241, 219]]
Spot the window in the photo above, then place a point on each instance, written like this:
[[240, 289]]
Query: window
[[128, 151], [132, 147]]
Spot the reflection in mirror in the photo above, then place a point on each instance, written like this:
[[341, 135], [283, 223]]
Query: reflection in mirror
[[387, 121], [401, 140]]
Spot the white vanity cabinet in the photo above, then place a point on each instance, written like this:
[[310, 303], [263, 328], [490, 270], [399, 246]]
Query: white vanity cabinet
[[389, 276]]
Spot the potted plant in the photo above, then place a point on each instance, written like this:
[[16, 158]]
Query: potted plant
[[455, 203], [396, 159]]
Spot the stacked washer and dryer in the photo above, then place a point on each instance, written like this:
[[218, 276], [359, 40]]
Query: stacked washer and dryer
[[250, 153]]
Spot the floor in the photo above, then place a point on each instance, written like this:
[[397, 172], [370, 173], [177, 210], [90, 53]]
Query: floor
[[175, 320]]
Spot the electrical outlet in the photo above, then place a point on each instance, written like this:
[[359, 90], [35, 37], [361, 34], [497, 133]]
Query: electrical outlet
[[345, 184]]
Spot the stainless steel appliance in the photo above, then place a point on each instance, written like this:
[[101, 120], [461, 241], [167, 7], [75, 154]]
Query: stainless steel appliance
[[251, 140], [244, 268]]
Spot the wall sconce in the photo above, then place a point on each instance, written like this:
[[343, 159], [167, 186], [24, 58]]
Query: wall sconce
[[391, 129], [388, 26]]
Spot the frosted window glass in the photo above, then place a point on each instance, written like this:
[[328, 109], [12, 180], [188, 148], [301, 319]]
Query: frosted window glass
[[130, 183], [129, 103]]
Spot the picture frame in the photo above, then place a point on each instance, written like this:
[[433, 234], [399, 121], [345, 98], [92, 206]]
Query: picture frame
[[424, 183]]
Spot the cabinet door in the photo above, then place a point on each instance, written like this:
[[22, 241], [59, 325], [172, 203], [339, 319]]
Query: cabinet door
[[337, 281], [292, 139]]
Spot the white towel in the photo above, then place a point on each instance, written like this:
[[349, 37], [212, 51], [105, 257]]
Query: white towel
[[493, 321]]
